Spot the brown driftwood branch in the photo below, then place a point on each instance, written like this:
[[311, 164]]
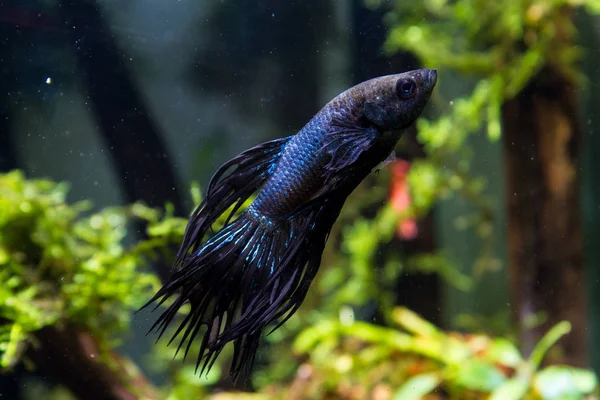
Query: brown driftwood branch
[[546, 270]]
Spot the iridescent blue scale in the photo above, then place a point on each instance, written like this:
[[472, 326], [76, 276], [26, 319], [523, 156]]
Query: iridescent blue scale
[[299, 172]]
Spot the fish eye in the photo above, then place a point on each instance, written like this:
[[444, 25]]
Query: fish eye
[[405, 88]]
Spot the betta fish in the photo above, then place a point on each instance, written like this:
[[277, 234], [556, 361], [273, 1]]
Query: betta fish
[[256, 270]]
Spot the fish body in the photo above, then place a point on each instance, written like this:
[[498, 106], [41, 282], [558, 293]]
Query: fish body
[[257, 269]]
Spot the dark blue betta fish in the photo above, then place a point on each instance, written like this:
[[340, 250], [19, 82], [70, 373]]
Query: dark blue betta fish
[[257, 269]]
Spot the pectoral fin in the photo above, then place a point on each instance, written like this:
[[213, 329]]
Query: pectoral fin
[[346, 144]]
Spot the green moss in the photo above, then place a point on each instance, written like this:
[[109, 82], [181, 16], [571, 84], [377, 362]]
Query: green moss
[[415, 358], [60, 262]]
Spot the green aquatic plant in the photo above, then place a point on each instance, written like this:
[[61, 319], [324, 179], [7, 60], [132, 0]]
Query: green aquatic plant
[[503, 45], [69, 282], [413, 359], [57, 264]]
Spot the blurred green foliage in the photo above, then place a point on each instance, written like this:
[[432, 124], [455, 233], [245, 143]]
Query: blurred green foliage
[[503, 44], [57, 264], [413, 359]]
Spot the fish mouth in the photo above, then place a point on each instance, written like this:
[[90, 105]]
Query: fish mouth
[[431, 77]]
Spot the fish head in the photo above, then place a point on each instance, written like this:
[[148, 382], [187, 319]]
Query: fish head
[[395, 101]]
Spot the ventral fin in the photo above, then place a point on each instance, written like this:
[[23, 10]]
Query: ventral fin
[[389, 159]]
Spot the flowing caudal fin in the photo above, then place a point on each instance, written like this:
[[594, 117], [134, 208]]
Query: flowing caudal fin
[[251, 274], [204, 266]]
